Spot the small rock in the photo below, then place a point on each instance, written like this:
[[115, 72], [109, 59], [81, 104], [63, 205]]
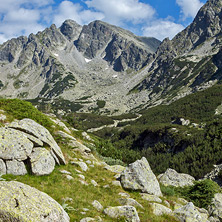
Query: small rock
[[85, 209], [88, 161], [166, 203], [82, 165], [96, 204], [124, 194], [94, 183], [3, 117], [116, 183], [150, 198], [115, 168], [65, 172], [127, 212], [81, 176], [215, 208], [83, 182], [130, 202], [87, 219], [68, 177], [159, 209], [106, 186]]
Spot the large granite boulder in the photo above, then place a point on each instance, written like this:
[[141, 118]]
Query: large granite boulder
[[20, 202], [215, 209], [127, 212], [42, 162], [14, 145], [31, 127], [189, 213], [139, 176], [172, 178]]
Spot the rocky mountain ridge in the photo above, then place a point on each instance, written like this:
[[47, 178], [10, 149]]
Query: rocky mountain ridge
[[102, 62]]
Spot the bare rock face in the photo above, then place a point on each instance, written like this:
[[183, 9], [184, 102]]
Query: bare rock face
[[42, 162], [139, 176], [127, 212], [20, 202], [14, 145], [172, 178], [35, 129]]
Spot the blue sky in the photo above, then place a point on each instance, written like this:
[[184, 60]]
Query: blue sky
[[157, 18]]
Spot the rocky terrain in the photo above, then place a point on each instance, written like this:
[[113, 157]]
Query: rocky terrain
[[85, 187]]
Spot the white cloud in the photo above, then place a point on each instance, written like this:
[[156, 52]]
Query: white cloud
[[189, 8], [120, 11], [161, 29], [69, 10]]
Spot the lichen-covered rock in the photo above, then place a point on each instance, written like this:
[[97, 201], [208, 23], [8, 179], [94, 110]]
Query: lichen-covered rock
[[20, 202], [139, 176], [189, 213], [115, 168], [172, 178], [96, 204], [79, 146], [15, 167], [35, 129], [14, 145], [150, 198], [127, 212], [215, 209], [129, 202], [42, 162], [159, 209], [2, 167], [82, 165]]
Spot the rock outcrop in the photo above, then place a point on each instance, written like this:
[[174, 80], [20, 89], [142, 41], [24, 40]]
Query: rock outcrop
[[172, 178], [20, 202], [22, 145], [139, 176], [215, 209]]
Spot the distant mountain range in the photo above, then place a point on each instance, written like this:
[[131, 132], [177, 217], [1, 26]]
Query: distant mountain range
[[101, 63]]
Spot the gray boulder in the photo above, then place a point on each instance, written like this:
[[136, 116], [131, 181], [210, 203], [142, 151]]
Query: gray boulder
[[139, 176], [42, 162], [172, 178], [150, 198], [15, 167], [14, 145], [159, 209], [2, 167], [20, 202], [35, 129], [189, 213], [96, 204], [215, 209], [127, 212]]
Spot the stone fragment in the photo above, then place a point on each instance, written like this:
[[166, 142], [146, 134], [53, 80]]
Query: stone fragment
[[124, 194], [20, 202], [139, 176], [65, 172], [159, 209], [15, 167], [96, 204], [79, 146], [42, 162], [116, 183], [68, 177], [82, 165], [31, 127], [87, 219], [81, 176], [115, 168], [2, 167], [94, 183], [127, 212], [14, 145], [172, 178]]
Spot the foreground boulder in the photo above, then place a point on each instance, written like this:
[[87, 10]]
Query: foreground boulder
[[20, 202], [127, 212], [31, 127], [172, 178], [139, 176]]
